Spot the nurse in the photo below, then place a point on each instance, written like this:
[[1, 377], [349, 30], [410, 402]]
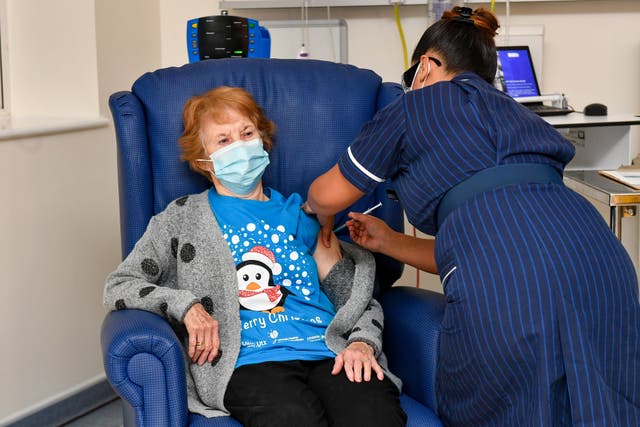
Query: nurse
[[542, 321]]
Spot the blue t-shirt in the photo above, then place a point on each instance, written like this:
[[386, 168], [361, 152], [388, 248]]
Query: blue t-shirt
[[283, 312]]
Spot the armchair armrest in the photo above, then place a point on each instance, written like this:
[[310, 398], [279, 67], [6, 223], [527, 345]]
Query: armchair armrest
[[411, 339], [144, 363]]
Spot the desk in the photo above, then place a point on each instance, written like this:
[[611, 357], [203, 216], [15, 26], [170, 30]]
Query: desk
[[580, 120], [602, 142], [618, 204], [621, 200]]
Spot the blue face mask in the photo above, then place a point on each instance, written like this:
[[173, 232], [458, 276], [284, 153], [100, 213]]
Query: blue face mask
[[239, 166]]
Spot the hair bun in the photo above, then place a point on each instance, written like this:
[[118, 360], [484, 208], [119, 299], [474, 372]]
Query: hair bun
[[481, 18]]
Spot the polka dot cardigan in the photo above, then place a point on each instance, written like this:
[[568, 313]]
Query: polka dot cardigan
[[182, 258]]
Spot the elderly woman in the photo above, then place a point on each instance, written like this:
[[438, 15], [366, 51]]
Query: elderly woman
[[276, 328]]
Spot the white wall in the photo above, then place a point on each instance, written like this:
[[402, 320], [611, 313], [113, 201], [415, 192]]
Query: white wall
[[59, 222], [49, 55], [128, 44], [174, 17], [590, 46], [59, 215]]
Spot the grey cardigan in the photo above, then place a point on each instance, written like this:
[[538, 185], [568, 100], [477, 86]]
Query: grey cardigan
[[182, 259]]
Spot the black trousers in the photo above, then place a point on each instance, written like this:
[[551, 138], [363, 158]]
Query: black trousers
[[304, 393]]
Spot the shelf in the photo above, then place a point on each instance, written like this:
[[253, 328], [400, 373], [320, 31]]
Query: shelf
[[600, 188], [271, 4]]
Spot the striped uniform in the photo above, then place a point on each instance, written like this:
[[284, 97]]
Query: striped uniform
[[542, 323]]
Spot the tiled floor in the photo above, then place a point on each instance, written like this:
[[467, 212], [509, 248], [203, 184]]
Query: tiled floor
[[109, 415]]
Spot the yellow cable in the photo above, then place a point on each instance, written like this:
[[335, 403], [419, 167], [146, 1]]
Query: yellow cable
[[396, 13], [492, 6]]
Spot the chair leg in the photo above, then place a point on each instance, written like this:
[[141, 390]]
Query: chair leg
[[128, 415]]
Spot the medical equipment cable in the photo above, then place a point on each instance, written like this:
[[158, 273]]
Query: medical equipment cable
[[304, 16], [396, 13]]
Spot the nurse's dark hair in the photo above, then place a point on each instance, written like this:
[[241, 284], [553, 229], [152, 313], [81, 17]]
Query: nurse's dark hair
[[464, 40]]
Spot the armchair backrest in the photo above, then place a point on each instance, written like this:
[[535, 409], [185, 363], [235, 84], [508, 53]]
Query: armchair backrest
[[318, 108]]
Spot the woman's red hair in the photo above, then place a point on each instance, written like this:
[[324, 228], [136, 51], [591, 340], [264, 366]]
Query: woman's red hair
[[214, 105]]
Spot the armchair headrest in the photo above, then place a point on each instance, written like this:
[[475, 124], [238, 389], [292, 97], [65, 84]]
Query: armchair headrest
[[318, 108]]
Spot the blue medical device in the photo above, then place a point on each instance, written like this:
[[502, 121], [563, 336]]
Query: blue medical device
[[224, 36]]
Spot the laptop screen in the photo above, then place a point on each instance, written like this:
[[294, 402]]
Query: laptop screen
[[516, 75]]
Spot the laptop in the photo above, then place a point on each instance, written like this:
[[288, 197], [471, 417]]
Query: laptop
[[517, 77]]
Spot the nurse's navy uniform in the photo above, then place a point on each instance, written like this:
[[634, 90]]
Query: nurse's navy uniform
[[542, 322]]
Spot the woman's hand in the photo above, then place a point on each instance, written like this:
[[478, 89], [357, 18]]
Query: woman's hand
[[369, 232], [204, 341], [358, 360]]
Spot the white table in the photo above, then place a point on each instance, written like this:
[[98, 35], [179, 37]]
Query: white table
[[602, 142]]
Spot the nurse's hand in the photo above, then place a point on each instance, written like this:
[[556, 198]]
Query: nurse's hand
[[204, 342], [358, 361], [326, 257], [370, 232], [326, 222]]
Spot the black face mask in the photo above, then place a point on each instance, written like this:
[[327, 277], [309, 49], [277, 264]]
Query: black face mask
[[410, 74]]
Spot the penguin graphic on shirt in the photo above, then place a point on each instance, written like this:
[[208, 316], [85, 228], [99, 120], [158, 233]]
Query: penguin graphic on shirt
[[256, 288]]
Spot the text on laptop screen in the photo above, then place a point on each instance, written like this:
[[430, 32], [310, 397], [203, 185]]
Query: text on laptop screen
[[517, 71]]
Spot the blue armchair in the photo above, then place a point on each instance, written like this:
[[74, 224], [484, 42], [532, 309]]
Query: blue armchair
[[318, 108]]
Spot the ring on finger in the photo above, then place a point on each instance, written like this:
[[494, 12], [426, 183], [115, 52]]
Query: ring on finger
[[199, 344]]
